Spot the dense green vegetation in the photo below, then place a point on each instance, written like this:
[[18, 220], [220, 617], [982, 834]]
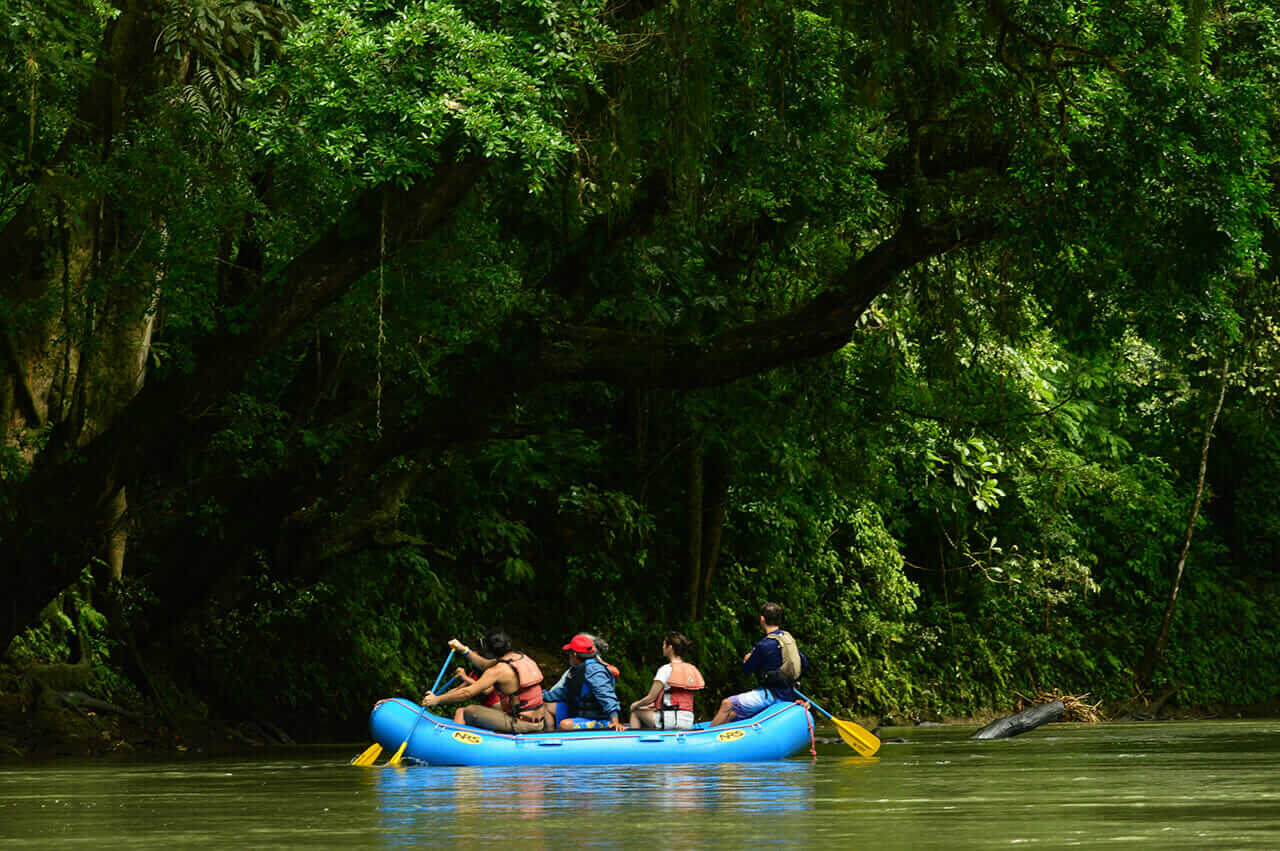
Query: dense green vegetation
[[334, 328]]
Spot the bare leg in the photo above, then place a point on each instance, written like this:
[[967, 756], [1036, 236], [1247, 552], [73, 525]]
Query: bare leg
[[643, 719], [724, 714], [457, 716]]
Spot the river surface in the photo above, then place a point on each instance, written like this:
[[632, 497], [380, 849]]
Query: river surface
[[1207, 784]]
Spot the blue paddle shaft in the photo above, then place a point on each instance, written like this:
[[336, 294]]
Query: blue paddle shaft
[[422, 712], [804, 696], [443, 668]]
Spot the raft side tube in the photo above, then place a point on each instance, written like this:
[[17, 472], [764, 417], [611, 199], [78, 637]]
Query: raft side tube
[[774, 734]]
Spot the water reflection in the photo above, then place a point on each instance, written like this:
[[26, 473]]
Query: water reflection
[[606, 803]]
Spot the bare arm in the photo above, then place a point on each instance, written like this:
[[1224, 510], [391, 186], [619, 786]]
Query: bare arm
[[468, 691], [650, 700], [480, 663]]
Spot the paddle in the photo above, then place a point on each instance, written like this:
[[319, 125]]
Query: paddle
[[855, 736], [395, 758], [368, 755]]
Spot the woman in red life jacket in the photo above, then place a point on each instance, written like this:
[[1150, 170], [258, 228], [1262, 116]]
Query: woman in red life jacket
[[669, 703]]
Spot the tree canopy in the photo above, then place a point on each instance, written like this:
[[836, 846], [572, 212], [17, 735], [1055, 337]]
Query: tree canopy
[[370, 321]]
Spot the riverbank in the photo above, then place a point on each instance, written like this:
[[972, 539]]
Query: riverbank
[[67, 727], [64, 710], [74, 728]]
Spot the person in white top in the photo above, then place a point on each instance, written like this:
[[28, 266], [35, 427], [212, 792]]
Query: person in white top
[[669, 703]]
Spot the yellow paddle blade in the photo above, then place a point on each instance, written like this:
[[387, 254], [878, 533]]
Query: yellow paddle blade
[[395, 758], [368, 756], [857, 737]]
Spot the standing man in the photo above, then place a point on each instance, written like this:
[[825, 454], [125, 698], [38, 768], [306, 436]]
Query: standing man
[[515, 677], [777, 664], [588, 690]]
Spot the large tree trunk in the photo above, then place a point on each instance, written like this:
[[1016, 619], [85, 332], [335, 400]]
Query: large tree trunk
[[61, 510], [78, 387], [80, 354], [1197, 15]]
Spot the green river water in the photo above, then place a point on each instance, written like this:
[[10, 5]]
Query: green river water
[[1207, 784]]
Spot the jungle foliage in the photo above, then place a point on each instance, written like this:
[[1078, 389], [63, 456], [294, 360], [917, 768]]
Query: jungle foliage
[[334, 328]]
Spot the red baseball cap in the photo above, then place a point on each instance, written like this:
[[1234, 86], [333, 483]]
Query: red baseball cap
[[581, 644]]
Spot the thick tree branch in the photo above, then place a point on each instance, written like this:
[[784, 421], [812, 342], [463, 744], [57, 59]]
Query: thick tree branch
[[822, 326], [940, 160], [313, 519], [322, 274]]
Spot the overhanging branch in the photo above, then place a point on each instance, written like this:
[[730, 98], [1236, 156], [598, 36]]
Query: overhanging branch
[[571, 353]]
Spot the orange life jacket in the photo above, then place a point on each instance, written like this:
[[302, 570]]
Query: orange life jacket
[[685, 680], [528, 693]]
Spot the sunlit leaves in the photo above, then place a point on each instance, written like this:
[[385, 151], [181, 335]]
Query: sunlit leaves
[[378, 91]]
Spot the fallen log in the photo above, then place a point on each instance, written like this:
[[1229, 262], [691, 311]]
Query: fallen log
[[1016, 725], [85, 703]]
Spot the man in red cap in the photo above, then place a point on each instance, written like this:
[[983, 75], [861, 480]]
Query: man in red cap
[[587, 690]]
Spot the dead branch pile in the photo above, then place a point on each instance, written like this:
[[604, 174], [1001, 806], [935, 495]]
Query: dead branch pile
[[1077, 709]]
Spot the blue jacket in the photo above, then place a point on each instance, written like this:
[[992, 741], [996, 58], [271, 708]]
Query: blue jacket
[[767, 656], [595, 695]]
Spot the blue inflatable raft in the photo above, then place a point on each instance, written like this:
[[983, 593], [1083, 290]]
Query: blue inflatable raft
[[778, 732]]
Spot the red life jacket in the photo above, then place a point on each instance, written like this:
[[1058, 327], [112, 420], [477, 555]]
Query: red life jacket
[[685, 680], [528, 694]]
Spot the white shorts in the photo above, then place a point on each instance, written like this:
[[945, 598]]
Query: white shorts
[[674, 719], [752, 702]]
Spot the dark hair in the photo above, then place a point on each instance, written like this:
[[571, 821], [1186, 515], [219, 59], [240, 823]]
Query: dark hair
[[679, 642], [495, 645], [772, 614]]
